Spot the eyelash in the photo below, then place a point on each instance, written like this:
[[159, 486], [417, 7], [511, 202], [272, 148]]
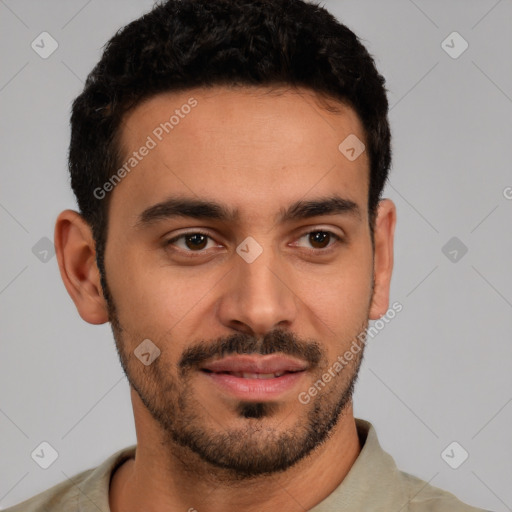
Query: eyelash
[[194, 254]]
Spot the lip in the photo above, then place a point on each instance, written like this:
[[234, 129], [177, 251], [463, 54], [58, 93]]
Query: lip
[[274, 363], [258, 385]]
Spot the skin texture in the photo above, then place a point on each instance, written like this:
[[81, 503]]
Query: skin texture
[[257, 151]]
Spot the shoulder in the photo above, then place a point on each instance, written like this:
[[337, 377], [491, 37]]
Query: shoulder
[[63, 496], [424, 497], [375, 480], [85, 491]]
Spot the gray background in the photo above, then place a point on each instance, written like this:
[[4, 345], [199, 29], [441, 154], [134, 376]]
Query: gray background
[[439, 372]]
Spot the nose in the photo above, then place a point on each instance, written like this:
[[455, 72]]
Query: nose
[[258, 295]]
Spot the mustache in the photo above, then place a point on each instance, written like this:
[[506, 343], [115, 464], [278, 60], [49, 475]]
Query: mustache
[[276, 341]]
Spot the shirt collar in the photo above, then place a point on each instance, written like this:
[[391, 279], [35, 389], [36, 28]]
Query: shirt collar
[[372, 483]]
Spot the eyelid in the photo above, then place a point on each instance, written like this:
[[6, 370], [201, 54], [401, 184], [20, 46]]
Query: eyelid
[[184, 234]]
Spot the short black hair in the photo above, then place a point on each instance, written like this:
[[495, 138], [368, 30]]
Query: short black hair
[[182, 44]]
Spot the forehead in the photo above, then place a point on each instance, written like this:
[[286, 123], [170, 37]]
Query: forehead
[[247, 147]]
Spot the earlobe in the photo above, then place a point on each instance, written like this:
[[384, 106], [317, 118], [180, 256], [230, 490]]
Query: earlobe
[[76, 255], [383, 260]]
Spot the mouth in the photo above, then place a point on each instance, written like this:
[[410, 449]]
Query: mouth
[[255, 377], [248, 375], [250, 365]]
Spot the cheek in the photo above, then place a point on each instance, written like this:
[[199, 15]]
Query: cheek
[[156, 300], [341, 297]]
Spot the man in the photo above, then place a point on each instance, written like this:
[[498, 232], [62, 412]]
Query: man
[[228, 158]]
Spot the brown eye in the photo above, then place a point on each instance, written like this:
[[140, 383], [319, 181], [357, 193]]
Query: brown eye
[[196, 241], [319, 239], [190, 242]]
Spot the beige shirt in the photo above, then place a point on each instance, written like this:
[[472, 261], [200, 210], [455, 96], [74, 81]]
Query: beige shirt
[[373, 484]]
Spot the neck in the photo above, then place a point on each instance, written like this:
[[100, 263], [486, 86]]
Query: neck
[[157, 480]]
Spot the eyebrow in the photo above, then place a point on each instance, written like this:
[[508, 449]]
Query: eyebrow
[[209, 210]]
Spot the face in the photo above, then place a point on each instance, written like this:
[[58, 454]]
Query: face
[[239, 245]]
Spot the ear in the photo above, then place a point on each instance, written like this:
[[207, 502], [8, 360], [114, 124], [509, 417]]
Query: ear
[[383, 257], [76, 255]]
